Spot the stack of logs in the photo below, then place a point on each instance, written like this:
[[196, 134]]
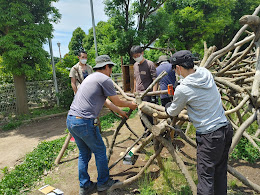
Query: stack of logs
[[236, 71]]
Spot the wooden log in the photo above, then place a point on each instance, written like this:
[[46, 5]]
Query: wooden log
[[150, 87], [122, 92], [156, 144], [152, 93], [240, 131], [63, 149], [160, 128], [110, 150], [243, 179], [207, 53], [238, 79], [231, 45], [188, 128], [248, 74], [126, 152], [237, 60], [257, 133], [255, 138], [184, 136], [249, 19], [256, 82], [145, 141], [179, 162], [140, 173], [239, 117], [149, 109], [229, 84]]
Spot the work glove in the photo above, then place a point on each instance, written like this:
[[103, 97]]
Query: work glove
[[167, 106]]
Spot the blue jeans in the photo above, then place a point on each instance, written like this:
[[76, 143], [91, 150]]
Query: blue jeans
[[88, 140]]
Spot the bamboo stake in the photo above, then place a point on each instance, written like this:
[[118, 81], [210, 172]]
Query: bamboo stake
[[64, 147]]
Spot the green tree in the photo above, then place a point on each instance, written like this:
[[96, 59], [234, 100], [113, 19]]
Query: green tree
[[76, 42], [24, 27], [150, 23], [195, 21], [240, 8], [106, 43]]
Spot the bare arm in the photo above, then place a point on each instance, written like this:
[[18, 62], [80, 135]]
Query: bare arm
[[114, 108], [73, 84], [155, 87], [118, 102]]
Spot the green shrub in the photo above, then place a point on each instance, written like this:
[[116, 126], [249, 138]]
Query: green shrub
[[246, 151], [41, 159]]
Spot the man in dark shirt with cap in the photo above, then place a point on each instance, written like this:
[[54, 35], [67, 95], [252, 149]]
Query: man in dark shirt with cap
[[82, 123], [165, 65]]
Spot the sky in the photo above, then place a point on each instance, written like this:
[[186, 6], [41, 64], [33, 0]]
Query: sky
[[74, 13]]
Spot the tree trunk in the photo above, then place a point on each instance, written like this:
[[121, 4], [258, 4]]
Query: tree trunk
[[21, 94]]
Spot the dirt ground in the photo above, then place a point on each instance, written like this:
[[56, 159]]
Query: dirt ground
[[16, 143]]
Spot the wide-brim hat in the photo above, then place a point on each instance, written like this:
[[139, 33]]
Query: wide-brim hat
[[163, 58], [180, 57], [103, 60]]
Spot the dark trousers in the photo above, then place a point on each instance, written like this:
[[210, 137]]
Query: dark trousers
[[212, 157], [164, 101]]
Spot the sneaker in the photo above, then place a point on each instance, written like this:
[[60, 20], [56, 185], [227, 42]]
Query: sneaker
[[106, 185], [87, 190], [72, 139]]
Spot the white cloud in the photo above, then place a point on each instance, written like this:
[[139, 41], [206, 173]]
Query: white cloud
[[75, 13]]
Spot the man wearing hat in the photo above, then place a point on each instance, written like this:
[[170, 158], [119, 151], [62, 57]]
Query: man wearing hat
[[199, 93], [82, 124], [164, 64]]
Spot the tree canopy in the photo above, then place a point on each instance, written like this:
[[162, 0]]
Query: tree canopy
[[24, 27], [76, 42], [195, 21], [135, 22]]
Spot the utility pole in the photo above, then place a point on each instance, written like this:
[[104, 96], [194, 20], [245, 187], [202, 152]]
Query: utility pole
[[59, 49], [93, 24], [54, 73]]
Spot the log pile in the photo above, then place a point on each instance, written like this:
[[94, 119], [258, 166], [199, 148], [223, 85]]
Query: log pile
[[236, 71]]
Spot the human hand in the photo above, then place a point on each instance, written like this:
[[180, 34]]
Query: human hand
[[123, 114], [132, 106]]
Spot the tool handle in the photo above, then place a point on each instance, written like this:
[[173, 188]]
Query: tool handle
[[170, 90]]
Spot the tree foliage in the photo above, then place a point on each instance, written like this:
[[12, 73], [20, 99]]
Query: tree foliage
[[136, 22], [76, 42], [24, 27], [195, 21], [107, 43]]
